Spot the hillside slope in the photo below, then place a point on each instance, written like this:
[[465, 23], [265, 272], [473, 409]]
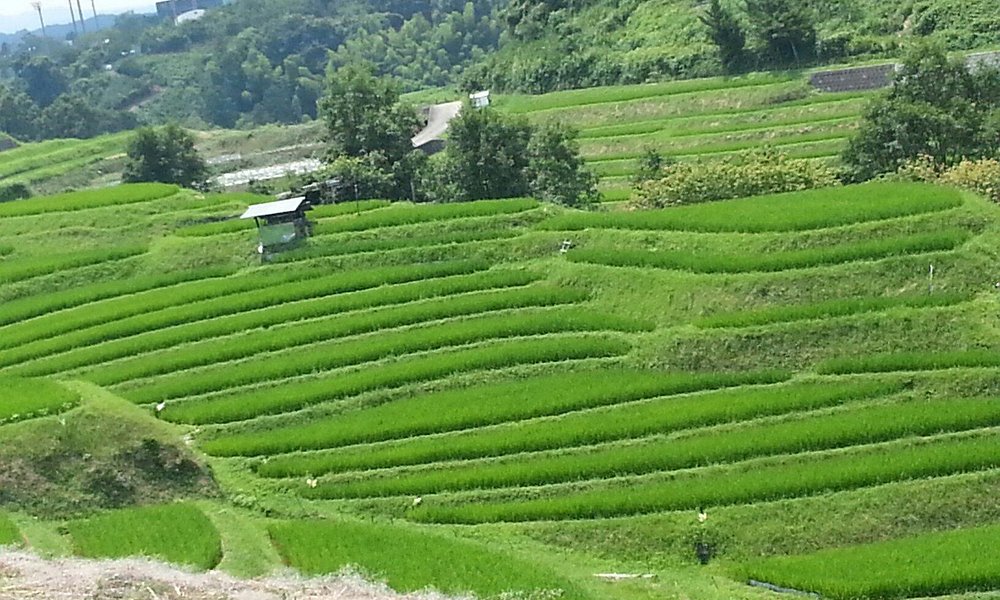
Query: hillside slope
[[453, 396]]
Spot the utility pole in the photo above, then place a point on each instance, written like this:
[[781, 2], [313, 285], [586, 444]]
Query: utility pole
[[173, 8], [93, 7], [38, 7], [72, 15], [83, 26]]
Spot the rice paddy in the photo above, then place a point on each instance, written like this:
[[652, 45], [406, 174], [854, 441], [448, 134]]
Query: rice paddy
[[413, 368]]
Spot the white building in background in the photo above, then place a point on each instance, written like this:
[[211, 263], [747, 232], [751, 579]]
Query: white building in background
[[480, 99]]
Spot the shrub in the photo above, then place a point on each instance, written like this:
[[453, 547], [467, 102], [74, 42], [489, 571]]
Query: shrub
[[981, 176], [14, 191], [9, 534], [752, 173]]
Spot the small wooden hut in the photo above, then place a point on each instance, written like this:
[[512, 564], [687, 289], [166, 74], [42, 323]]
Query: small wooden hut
[[281, 224]]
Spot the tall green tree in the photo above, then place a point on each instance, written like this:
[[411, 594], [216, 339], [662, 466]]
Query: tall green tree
[[166, 154], [487, 154], [727, 33], [935, 108], [556, 171], [364, 116], [784, 29]]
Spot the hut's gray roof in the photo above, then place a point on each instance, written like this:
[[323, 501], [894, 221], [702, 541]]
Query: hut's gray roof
[[269, 209]]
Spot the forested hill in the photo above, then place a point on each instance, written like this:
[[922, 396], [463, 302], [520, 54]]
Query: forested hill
[[263, 61]]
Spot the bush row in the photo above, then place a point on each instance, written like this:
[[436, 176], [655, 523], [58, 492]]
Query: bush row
[[177, 533], [788, 478], [300, 394], [478, 406], [22, 268], [122, 194], [836, 307], [232, 302], [831, 430], [911, 361], [933, 564], [875, 249], [33, 306], [628, 420], [238, 335], [25, 398], [812, 209], [325, 356], [406, 214]]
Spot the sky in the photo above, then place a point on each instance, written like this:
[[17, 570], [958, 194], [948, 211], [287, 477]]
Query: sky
[[18, 14]]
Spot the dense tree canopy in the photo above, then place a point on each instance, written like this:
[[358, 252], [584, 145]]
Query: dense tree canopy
[[167, 155], [936, 108]]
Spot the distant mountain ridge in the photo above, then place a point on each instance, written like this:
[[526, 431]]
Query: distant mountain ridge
[[59, 31]]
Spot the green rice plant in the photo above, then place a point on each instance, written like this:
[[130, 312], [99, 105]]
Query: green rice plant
[[838, 429], [326, 211], [817, 108], [299, 394], [911, 361], [25, 162], [177, 533], [101, 312], [701, 262], [932, 564], [26, 398], [231, 303], [160, 351], [295, 361], [476, 407], [9, 534], [21, 268], [319, 212], [419, 560], [797, 211], [122, 194], [323, 246], [625, 93], [837, 307], [628, 420], [37, 305], [759, 481], [407, 214]]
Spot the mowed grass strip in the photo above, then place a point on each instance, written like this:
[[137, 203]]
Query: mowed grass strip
[[121, 194], [932, 564], [863, 425], [408, 214], [837, 307], [912, 361], [819, 108], [797, 211], [702, 262], [21, 268], [22, 398], [520, 104], [478, 406], [325, 356], [177, 533], [300, 394], [230, 302], [237, 336], [761, 480], [418, 561], [33, 306]]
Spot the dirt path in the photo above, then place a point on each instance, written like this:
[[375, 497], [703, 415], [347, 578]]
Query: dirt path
[[26, 576]]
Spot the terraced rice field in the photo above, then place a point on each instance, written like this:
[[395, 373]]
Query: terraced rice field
[[508, 418], [694, 119]]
